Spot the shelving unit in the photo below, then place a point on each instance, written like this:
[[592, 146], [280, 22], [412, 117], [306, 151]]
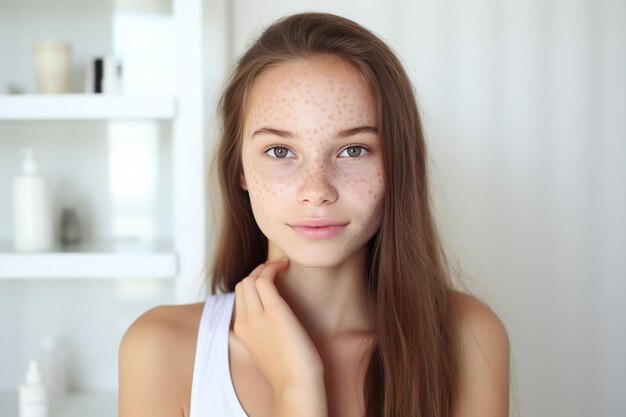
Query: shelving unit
[[178, 257], [183, 256], [85, 107], [119, 259]]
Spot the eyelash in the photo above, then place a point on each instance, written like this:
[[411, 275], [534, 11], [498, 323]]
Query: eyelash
[[352, 145]]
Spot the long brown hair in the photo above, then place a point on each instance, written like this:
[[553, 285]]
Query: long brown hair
[[412, 370]]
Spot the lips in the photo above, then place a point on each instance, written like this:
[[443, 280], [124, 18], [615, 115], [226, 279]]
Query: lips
[[319, 222], [318, 228]]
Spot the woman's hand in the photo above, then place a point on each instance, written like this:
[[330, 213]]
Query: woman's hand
[[271, 332]]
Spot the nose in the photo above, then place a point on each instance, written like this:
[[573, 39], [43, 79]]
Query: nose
[[317, 188]]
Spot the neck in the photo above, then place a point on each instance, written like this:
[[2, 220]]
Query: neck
[[330, 303]]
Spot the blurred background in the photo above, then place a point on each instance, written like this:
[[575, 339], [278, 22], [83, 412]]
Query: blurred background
[[524, 106]]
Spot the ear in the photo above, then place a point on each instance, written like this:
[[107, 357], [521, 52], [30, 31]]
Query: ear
[[242, 181]]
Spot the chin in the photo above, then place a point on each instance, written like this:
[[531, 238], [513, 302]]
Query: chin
[[328, 257], [319, 262]]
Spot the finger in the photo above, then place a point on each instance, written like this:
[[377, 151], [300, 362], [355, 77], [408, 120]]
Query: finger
[[256, 271], [249, 292], [254, 305], [240, 302], [272, 268], [253, 300], [266, 288]]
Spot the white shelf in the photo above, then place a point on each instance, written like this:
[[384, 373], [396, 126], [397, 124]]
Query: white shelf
[[85, 107], [120, 259], [77, 404]]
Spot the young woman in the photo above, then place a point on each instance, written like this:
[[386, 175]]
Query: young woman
[[336, 299]]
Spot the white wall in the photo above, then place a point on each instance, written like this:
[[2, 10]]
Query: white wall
[[524, 105]]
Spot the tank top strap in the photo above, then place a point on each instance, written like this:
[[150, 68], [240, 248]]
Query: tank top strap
[[212, 392]]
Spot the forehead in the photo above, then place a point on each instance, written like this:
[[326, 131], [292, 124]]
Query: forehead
[[321, 86]]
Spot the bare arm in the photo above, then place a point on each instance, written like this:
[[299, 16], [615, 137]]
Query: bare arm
[[484, 362], [147, 371], [306, 401]]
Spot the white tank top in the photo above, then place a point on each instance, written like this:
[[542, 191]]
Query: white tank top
[[212, 390]]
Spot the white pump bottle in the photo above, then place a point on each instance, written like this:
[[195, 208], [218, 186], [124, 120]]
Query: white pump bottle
[[33, 394], [33, 228]]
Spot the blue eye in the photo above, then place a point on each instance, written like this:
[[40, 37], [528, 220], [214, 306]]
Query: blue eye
[[351, 151], [280, 152]]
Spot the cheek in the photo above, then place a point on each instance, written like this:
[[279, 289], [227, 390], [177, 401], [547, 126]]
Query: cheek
[[377, 189], [367, 187], [268, 186], [265, 188]]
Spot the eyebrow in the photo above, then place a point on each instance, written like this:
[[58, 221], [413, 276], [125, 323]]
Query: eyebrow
[[341, 134]]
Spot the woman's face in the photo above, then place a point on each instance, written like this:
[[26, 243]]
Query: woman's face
[[326, 162]]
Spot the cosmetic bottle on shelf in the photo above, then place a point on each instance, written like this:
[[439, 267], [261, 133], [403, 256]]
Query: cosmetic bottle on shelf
[[33, 229], [33, 396]]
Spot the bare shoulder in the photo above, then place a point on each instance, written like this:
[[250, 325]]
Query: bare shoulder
[[156, 357], [483, 360], [476, 316]]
